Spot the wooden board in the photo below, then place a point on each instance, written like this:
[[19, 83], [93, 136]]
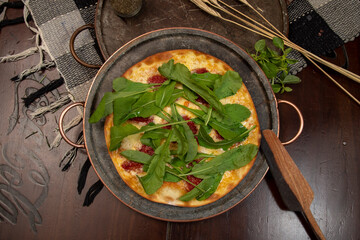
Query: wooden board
[[112, 31]]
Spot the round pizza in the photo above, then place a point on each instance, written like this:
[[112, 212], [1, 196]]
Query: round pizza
[[181, 128]]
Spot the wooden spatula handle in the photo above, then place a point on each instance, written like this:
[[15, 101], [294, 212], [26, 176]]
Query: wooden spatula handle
[[289, 171], [315, 227], [294, 189]]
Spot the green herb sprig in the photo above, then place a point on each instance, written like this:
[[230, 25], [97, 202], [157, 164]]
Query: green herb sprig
[[276, 66]]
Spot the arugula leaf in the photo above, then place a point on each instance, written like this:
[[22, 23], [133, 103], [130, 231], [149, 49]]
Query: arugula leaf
[[184, 143], [208, 79], [160, 133], [122, 107], [202, 124], [123, 84], [204, 155], [208, 116], [177, 162], [227, 85], [137, 156], [180, 73], [196, 112], [233, 113], [171, 175], [167, 69], [182, 146], [157, 126], [233, 159], [191, 96], [191, 142], [229, 127], [164, 94], [118, 133], [104, 108], [147, 142], [206, 141], [236, 112], [144, 107], [205, 184], [154, 177], [175, 95], [208, 192], [227, 131]]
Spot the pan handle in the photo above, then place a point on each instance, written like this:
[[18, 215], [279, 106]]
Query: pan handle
[[301, 127], [61, 128], [72, 46]]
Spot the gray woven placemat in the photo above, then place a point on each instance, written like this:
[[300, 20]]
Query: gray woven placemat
[[57, 21]]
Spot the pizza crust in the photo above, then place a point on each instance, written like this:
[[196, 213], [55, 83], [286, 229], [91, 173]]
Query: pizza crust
[[170, 192]]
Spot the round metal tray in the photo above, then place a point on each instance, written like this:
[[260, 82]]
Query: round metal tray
[[112, 31]]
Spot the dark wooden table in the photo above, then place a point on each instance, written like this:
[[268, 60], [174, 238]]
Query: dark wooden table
[[39, 201]]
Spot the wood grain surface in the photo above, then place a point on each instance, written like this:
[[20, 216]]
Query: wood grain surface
[[39, 201]]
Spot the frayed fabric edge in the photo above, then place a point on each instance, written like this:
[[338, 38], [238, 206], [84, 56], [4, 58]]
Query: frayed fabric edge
[[40, 47], [74, 122]]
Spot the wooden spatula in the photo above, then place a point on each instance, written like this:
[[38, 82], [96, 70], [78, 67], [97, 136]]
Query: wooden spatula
[[294, 189]]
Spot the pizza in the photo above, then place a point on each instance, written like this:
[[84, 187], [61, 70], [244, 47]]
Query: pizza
[[181, 128]]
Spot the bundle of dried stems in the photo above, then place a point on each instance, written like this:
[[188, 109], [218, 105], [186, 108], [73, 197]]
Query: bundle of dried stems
[[270, 31]]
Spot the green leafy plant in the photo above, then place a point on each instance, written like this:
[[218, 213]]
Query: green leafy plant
[[276, 66]]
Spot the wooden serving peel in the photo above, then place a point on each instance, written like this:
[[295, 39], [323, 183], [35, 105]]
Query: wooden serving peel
[[293, 187]]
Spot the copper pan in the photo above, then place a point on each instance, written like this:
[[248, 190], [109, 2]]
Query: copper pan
[[147, 45]]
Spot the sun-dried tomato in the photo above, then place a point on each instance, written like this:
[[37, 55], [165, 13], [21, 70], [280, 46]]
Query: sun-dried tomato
[[147, 149], [218, 136], [202, 101], [191, 125], [156, 79], [194, 180], [142, 120], [167, 127], [200, 70], [130, 165]]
